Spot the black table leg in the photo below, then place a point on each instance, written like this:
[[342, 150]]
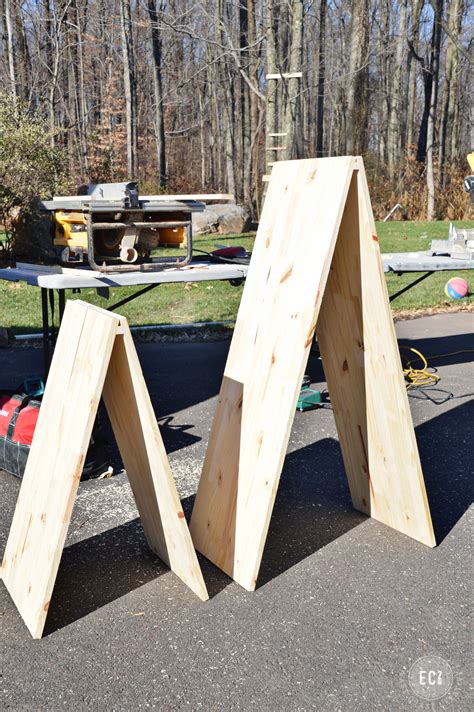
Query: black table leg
[[46, 333], [49, 332], [409, 286], [62, 303]]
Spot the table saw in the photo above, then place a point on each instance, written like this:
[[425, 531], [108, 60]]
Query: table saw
[[114, 229]]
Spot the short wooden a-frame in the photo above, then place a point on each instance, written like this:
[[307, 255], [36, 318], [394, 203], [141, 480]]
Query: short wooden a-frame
[[94, 355], [316, 267]]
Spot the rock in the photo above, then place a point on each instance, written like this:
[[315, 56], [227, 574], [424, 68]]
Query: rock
[[222, 218]]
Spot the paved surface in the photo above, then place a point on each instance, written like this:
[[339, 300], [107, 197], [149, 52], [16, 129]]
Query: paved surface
[[344, 605]]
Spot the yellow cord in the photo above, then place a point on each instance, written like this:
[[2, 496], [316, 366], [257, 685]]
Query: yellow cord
[[419, 377]]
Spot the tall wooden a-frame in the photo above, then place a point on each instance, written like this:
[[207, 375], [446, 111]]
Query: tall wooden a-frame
[[316, 267], [94, 354]]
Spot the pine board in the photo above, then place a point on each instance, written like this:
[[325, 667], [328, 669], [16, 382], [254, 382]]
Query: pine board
[[144, 457], [56, 459], [299, 233], [94, 354], [273, 333], [362, 364]]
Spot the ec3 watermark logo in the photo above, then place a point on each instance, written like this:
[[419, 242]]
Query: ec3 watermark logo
[[430, 677]]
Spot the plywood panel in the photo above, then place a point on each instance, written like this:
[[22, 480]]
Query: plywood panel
[[92, 343], [56, 460], [393, 451], [273, 334], [276, 322], [141, 447], [362, 365]]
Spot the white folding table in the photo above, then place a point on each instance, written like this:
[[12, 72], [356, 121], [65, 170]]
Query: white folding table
[[58, 279], [401, 262]]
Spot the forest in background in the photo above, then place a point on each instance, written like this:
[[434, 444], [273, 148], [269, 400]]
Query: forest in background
[[204, 96]]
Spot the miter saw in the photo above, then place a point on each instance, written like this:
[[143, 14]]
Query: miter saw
[[459, 245], [114, 229]]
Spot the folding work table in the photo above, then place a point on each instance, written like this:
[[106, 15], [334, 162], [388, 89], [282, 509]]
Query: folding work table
[[58, 279], [401, 262]]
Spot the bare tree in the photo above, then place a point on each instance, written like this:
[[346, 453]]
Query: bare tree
[[357, 110], [190, 80], [130, 85], [395, 122], [159, 121], [430, 137]]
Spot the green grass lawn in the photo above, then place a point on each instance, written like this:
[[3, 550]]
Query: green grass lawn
[[20, 308]]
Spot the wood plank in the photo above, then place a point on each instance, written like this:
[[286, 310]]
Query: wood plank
[[294, 248], [276, 148], [141, 447], [54, 269], [393, 453], [182, 196], [56, 459], [285, 75], [273, 333], [361, 362], [204, 197], [91, 343]]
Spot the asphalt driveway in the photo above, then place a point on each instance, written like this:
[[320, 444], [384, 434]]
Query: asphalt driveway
[[344, 605]]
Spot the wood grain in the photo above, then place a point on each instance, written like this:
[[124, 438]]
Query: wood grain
[[92, 342], [56, 459], [362, 365], [146, 462], [265, 366], [311, 207]]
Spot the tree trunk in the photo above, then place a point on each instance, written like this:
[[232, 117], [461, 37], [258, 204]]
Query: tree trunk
[[357, 110], [396, 113], [130, 86], [10, 50], [417, 7], [430, 137], [321, 79], [293, 138], [450, 84], [251, 163], [272, 87], [228, 111], [81, 89], [23, 55], [54, 57], [159, 120]]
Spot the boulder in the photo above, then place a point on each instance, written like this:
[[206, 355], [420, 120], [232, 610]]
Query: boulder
[[221, 218]]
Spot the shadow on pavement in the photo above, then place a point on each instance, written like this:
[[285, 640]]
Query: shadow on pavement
[[313, 505], [98, 570], [175, 435], [439, 350], [105, 567], [445, 445], [313, 508]]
